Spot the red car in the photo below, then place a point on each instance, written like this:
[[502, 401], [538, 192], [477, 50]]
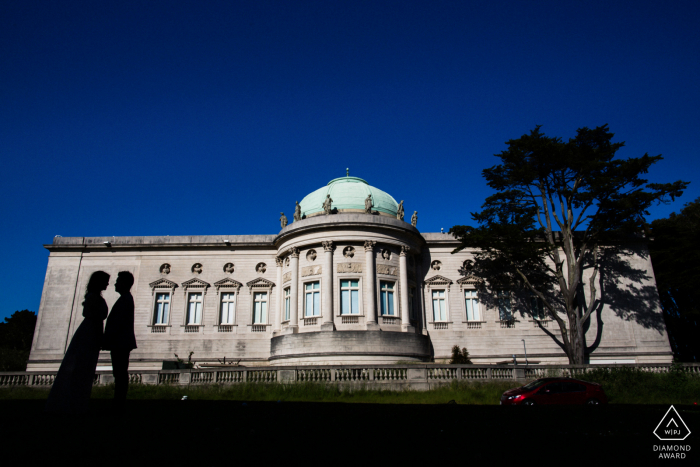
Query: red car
[[551, 391]]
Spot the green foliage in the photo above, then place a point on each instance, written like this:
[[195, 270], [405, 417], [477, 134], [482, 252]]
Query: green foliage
[[556, 202], [182, 364], [622, 386], [16, 335], [632, 386], [675, 254], [478, 393], [460, 357]]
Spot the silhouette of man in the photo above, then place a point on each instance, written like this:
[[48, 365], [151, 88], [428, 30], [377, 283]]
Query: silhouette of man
[[119, 336]]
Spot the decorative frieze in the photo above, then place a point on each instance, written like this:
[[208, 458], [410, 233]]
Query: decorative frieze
[[287, 277], [350, 267], [388, 270], [311, 271]]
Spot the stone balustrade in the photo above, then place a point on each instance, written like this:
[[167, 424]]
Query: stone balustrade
[[411, 376]]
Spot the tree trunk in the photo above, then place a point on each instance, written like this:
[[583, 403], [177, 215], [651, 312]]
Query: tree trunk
[[576, 352]]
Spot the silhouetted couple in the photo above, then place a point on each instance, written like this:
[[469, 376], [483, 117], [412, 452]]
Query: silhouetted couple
[[71, 389]]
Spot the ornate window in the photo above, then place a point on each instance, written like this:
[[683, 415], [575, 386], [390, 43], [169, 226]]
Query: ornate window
[[261, 291], [162, 291], [439, 305], [194, 309], [228, 291], [260, 308], [312, 299], [287, 303], [195, 290], [471, 303], [537, 307], [438, 291], [505, 312], [228, 308], [386, 298], [350, 297], [162, 309], [472, 308]]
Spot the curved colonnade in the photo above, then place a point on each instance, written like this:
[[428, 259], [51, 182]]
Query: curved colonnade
[[375, 252]]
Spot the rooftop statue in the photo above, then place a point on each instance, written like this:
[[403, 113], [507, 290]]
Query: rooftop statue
[[328, 205], [399, 213], [297, 212], [283, 220], [368, 204], [414, 218]]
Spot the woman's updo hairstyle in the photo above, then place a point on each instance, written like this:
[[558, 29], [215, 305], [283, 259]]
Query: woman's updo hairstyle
[[97, 280]]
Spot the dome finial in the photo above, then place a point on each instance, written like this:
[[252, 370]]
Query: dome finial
[[347, 172]]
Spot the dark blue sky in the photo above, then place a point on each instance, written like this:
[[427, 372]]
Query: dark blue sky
[[196, 118]]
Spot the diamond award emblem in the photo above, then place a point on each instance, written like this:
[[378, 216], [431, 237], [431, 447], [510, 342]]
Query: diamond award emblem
[[671, 427]]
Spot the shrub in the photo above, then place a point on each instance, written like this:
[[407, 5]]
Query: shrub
[[460, 357]]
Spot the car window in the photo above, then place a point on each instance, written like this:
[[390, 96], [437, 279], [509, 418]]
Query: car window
[[574, 387], [552, 388], [534, 384]]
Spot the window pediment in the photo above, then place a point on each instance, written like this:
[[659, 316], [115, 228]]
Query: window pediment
[[470, 281], [259, 283], [438, 281], [227, 283], [162, 283], [195, 283]]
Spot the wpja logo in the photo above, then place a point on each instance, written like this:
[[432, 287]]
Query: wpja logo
[[672, 428]]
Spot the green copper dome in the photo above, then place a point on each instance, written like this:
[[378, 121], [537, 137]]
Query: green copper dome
[[349, 194]]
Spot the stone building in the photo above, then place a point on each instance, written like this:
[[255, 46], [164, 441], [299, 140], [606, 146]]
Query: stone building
[[349, 281]]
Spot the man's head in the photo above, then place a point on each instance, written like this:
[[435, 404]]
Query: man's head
[[124, 282]]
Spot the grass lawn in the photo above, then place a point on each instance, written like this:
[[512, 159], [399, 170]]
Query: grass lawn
[[621, 387]]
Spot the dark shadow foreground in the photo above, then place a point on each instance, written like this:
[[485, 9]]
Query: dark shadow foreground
[[225, 432]]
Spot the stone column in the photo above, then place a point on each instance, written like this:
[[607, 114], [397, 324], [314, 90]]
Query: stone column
[[327, 299], [280, 306], [293, 327], [403, 284], [370, 292]]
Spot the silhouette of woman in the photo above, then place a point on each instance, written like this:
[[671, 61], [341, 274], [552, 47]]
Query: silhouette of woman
[[71, 389]]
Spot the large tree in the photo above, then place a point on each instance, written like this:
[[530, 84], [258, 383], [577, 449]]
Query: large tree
[[16, 335], [557, 204], [675, 254]]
